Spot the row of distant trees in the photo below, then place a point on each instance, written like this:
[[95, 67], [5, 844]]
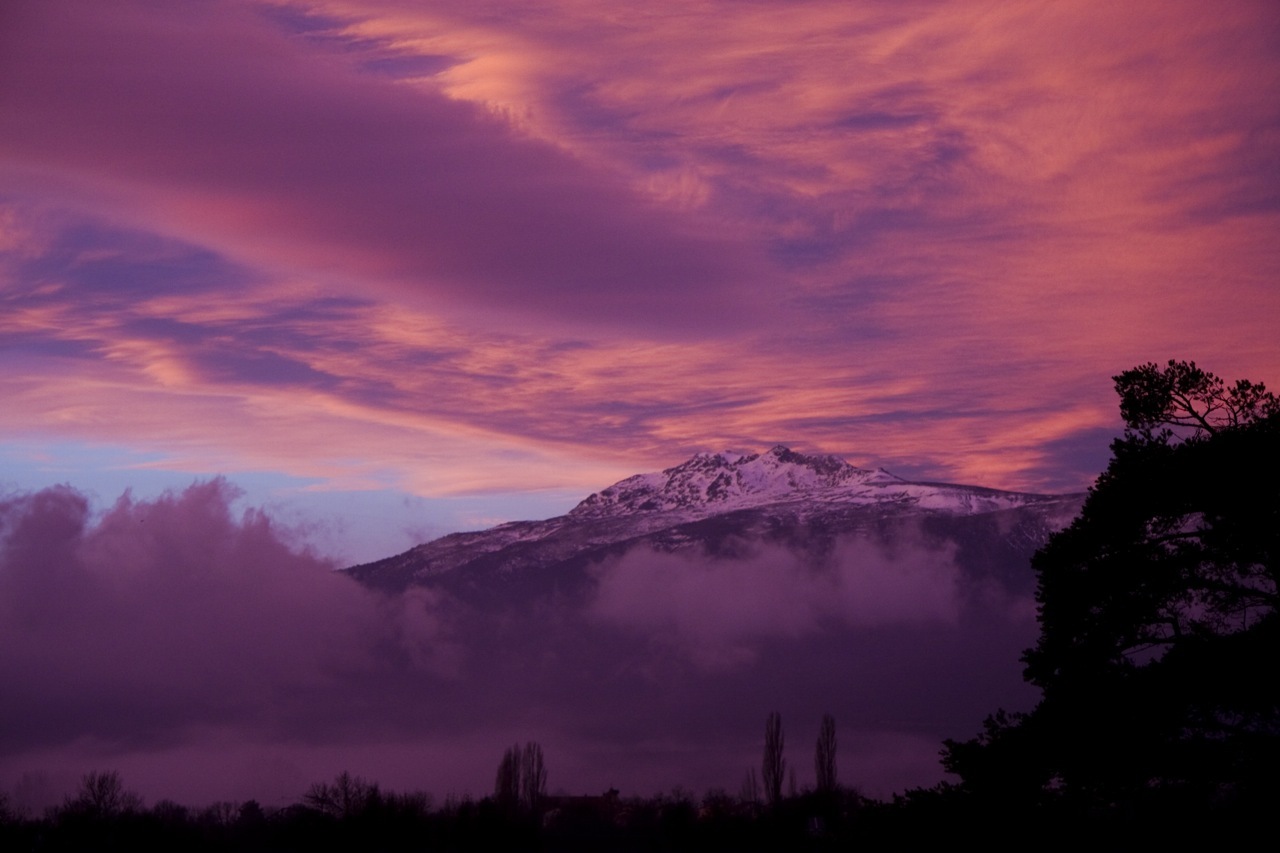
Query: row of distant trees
[[351, 813], [519, 788], [521, 783], [773, 764], [522, 778]]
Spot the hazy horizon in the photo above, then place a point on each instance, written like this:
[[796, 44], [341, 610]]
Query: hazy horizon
[[205, 657]]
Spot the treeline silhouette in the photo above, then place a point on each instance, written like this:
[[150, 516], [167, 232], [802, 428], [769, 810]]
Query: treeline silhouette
[[368, 818], [351, 813]]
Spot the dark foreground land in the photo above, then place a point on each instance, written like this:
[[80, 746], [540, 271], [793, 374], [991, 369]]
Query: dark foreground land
[[942, 818]]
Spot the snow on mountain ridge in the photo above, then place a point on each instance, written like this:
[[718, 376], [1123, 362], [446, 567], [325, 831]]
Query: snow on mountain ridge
[[711, 483], [779, 496]]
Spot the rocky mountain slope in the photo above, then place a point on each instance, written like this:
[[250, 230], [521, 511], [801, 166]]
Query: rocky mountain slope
[[727, 504]]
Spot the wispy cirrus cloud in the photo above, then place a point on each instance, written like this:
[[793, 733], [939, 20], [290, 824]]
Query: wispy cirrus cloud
[[435, 245], [1029, 175], [152, 352], [209, 124]]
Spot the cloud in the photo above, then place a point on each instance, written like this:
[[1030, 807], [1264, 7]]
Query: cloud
[[209, 124], [718, 610], [1035, 181], [165, 615], [207, 657], [471, 231], [116, 337]]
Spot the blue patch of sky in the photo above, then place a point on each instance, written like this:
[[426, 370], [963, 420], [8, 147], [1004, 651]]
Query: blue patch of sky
[[799, 253], [858, 293], [229, 363], [589, 113], [102, 472], [327, 31], [298, 21], [168, 329], [346, 526], [409, 65], [36, 347], [97, 260], [360, 527], [870, 121], [1084, 453], [1249, 186]]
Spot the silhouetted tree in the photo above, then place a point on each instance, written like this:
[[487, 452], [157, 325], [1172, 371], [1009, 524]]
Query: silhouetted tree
[[521, 782], [533, 777], [169, 811], [102, 795], [346, 797], [750, 793], [773, 767], [1159, 626], [250, 813], [506, 788], [221, 813], [824, 755], [1182, 400]]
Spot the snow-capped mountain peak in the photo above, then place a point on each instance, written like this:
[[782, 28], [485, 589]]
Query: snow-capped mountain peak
[[716, 482], [712, 499]]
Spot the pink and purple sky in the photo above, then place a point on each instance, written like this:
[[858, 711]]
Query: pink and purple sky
[[398, 268]]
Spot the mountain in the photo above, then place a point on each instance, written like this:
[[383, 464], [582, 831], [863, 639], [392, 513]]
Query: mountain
[[728, 504], [648, 631]]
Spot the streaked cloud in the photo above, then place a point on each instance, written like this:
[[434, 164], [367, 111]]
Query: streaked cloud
[[458, 247], [208, 124]]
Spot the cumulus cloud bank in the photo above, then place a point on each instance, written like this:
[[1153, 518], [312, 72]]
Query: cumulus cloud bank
[[167, 614]]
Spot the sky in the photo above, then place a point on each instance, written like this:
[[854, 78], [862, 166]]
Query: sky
[[397, 268], [402, 268]]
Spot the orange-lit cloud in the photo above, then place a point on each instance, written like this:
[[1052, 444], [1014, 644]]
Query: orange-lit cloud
[[458, 247]]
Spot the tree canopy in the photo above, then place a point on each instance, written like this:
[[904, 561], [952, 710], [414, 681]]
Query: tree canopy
[[1161, 403], [1158, 616]]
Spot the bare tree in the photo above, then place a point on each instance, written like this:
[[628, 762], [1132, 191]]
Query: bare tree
[[225, 812], [774, 767], [750, 793], [824, 755], [346, 797], [522, 778], [506, 789], [102, 794], [533, 777]]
